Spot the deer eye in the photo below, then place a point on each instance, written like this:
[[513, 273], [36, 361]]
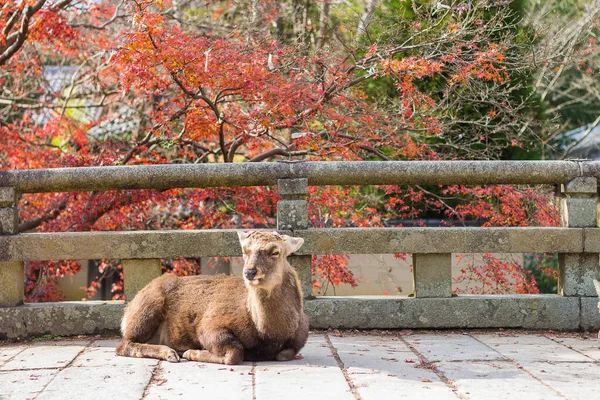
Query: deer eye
[[275, 253]]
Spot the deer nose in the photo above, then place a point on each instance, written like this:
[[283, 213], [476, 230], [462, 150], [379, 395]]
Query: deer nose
[[250, 274]]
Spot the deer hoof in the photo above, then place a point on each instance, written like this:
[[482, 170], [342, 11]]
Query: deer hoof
[[285, 355], [171, 356]]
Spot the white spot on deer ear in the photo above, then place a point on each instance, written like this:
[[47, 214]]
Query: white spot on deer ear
[[292, 244], [243, 235]]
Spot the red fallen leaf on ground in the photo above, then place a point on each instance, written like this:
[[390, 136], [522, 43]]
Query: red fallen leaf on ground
[[409, 361], [425, 380], [299, 356]]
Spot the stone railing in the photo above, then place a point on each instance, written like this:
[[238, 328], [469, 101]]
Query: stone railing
[[577, 242]]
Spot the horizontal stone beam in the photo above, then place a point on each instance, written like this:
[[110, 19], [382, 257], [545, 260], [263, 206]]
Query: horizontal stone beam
[[317, 173], [365, 312], [60, 319], [122, 245], [492, 311], [591, 240], [441, 240], [211, 243]]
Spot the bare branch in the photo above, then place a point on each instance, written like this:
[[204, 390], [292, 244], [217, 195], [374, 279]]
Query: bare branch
[[49, 216], [587, 133], [15, 41], [105, 23], [365, 19], [277, 152]]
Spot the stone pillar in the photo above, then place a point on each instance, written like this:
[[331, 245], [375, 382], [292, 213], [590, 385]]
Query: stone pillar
[[292, 215], [292, 209], [138, 273], [432, 275], [578, 210], [12, 274]]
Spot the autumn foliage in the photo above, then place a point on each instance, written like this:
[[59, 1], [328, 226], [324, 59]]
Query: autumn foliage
[[145, 82]]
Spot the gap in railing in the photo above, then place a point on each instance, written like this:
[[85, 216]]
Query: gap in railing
[[149, 209], [103, 279], [213, 208], [373, 274], [95, 280], [362, 275], [366, 274], [505, 273]]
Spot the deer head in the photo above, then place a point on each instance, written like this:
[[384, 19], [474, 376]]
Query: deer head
[[265, 255]]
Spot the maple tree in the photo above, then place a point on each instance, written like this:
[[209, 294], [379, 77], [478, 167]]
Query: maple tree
[[565, 83], [149, 81]]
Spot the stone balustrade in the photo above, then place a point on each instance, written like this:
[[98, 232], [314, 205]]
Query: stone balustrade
[[577, 242]]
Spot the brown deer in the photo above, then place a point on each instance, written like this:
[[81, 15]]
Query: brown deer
[[223, 319]]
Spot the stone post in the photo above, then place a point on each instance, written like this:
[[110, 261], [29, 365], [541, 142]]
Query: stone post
[[578, 210], [292, 215], [12, 274], [138, 273], [432, 275]]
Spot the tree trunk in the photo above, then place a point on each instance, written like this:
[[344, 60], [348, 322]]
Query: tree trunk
[[365, 19]]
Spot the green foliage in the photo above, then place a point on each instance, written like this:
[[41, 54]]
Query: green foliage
[[544, 268]]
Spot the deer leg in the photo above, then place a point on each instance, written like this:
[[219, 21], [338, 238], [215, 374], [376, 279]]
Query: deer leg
[[128, 348], [142, 320], [220, 347], [292, 347]]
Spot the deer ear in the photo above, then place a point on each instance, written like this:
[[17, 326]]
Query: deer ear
[[292, 244], [243, 235], [597, 285]]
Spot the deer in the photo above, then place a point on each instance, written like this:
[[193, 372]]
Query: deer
[[223, 319]]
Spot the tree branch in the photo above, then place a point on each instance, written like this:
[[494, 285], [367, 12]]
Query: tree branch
[[105, 23], [49, 216], [277, 152], [365, 19], [15, 40], [587, 133], [323, 17]]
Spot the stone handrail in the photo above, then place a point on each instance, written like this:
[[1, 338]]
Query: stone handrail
[[317, 173], [433, 305]]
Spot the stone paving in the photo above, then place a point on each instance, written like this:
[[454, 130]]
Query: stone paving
[[334, 365]]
